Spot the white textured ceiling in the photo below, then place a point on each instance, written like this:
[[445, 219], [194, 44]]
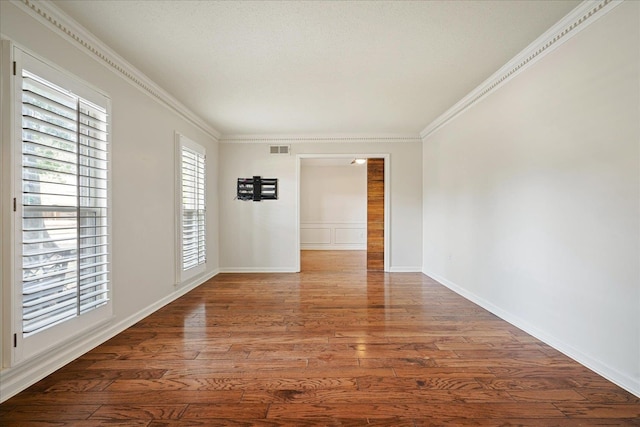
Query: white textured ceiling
[[317, 67]]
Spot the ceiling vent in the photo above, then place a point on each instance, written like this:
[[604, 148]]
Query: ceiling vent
[[279, 149]]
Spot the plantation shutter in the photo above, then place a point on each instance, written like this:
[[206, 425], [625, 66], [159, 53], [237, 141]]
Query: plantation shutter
[[193, 206], [64, 205]]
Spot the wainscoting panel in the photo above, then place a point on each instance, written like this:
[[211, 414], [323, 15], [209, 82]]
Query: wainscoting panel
[[315, 235], [345, 236], [333, 236]]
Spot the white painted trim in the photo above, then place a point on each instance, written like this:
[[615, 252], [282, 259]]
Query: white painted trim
[[177, 203], [387, 212], [387, 197], [258, 270], [328, 138], [7, 224], [21, 376], [297, 213], [333, 228], [625, 381], [586, 13], [56, 20], [405, 270]]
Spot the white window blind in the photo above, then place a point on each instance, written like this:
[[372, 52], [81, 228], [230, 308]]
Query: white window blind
[[64, 176], [193, 206]]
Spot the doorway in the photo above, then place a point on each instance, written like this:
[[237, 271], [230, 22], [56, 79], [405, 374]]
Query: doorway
[[332, 261], [364, 229]]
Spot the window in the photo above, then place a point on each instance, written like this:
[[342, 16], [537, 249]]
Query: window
[[62, 222], [192, 224]]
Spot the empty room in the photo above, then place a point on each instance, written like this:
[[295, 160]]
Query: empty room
[[399, 213]]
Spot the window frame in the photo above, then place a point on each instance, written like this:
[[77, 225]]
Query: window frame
[[26, 347], [183, 275]]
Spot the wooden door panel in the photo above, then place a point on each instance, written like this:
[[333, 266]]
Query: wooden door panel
[[375, 214]]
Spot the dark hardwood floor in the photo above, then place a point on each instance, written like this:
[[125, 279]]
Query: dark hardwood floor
[[333, 345]]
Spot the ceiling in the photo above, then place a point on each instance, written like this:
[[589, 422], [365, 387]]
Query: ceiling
[[317, 67]]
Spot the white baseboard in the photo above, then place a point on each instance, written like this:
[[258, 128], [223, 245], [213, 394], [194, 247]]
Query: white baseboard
[[17, 378], [405, 270], [258, 270], [619, 378]]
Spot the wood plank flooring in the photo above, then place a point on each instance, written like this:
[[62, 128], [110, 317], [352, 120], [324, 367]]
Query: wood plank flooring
[[334, 345]]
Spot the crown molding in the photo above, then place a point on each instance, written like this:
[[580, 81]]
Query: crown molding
[[58, 21], [585, 14], [323, 138]]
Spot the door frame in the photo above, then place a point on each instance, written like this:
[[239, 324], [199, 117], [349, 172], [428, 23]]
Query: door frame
[[387, 198]]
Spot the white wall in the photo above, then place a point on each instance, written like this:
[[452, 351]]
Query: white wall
[[262, 236], [143, 191], [333, 206], [531, 199]]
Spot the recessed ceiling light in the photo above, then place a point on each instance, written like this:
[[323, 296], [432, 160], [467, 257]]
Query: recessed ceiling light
[[359, 161]]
